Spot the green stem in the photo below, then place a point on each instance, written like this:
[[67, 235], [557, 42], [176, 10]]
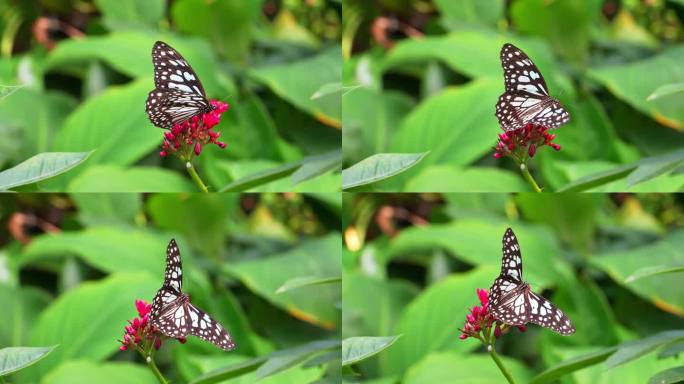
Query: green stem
[[528, 176], [149, 358], [499, 363], [195, 177]]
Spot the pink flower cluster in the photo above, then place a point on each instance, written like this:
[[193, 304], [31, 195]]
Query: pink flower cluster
[[526, 139], [140, 330], [478, 318], [189, 136]]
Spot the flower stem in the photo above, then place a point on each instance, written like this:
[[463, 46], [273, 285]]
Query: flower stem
[[499, 363], [149, 358], [528, 176], [195, 177]]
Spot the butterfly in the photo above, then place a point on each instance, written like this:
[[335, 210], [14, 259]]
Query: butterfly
[[511, 300], [526, 99], [173, 314], [178, 93]]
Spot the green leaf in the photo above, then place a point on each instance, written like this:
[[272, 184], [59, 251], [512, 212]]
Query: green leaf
[[25, 304], [448, 178], [130, 14], [281, 360], [87, 320], [327, 90], [84, 372], [626, 81], [636, 348], [319, 257], [666, 90], [41, 167], [218, 19], [306, 281], [112, 178], [317, 165], [571, 365], [379, 167], [13, 359], [594, 180], [449, 367], [95, 209], [668, 376], [652, 167], [261, 178], [658, 290], [230, 371], [296, 82], [475, 12], [654, 271], [577, 170], [7, 90], [356, 349], [127, 250]]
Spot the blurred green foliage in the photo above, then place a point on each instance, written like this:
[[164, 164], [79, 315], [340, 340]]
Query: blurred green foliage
[[84, 69], [424, 75], [75, 285], [424, 255]]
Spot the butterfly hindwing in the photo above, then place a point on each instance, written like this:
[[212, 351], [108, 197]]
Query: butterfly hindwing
[[544, 313], [206, 328], [526, 99]]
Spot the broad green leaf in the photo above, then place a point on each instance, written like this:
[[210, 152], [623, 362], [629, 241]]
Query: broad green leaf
[[112, 178], [267, 176], [87, 320], [666, 90], [586, 183], [262, 177], [634, 349], [475, 12], [316, 257], [356, 349], [24, 304], [449, 367], [84, 372], [478, 242], [599, 174], [428, 325], [13, 359], [626, 81], [281, 360], [328, 89], [41, 167], [455, 126], [130, 14], [652, 167], [108, 249], [448, 178], [379, 167], [130, 53], [7, 90], [572, 365], [306, 281], [658, 289], [316, 166], [217, 20], [654, 271], [229, 372], [566, 24], [668, 376], [107, 208], [297, 81]]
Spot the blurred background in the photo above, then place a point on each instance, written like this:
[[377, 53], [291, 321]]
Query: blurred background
[[74, 77], [72, 266], [600, 258], [424, 75]]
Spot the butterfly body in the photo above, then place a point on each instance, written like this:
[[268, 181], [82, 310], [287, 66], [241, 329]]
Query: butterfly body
[[178, 93], [175, 316], [526, 99], [511, 299]]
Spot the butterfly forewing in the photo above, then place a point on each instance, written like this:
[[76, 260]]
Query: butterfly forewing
[[173, 314], [526, 99], [178, 93], [511, 300]]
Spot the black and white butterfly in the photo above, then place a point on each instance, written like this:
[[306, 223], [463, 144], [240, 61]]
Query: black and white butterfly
[[178, 93], [526, 99], [173, 314], [511, 300]]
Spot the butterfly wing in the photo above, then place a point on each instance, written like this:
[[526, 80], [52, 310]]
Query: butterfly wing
[[206, 328], [510, 277], [512, 307], [168, 107], [171, 71], [543, 312], [173, 282], [520, 73]]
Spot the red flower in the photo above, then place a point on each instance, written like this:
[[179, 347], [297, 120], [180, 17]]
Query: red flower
[[479, 321], [140, 331], [187, 138], [526, 140]]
